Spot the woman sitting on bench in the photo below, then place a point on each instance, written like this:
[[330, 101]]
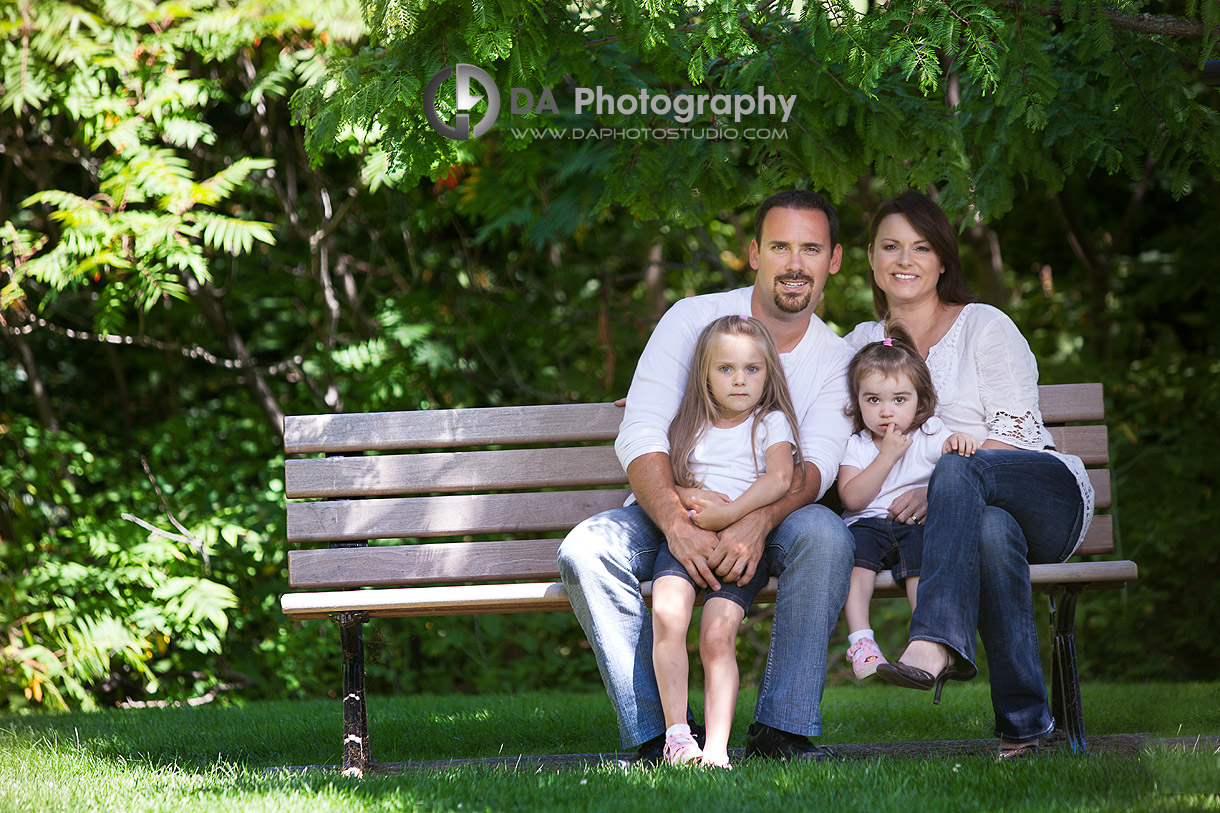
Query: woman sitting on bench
[[989, 516]]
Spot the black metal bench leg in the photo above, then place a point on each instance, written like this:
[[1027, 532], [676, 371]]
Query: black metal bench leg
[[1066, 703], [357, 754]]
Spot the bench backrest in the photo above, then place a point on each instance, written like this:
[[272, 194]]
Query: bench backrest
[[475, 495]]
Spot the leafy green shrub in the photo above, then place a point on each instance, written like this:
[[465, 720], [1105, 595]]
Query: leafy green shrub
[[94, 604]]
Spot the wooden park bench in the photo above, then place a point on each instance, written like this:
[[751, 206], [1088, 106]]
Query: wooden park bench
[[436, 481]]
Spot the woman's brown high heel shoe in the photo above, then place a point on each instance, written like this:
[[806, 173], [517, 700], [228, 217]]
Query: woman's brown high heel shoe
[[912, 677]]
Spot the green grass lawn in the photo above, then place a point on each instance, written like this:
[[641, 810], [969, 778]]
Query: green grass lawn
[[215, 758]]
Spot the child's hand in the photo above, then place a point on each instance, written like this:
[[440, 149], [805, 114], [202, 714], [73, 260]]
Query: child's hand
[[691, 498], [894, 444], [711, 514], [962, 443]]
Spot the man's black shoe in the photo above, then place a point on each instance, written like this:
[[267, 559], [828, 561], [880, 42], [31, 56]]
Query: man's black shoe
[[650, 752], [770, 743]]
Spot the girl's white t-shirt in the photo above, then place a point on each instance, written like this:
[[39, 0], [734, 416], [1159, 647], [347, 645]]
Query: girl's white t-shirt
[[723, 459], [910, 472]]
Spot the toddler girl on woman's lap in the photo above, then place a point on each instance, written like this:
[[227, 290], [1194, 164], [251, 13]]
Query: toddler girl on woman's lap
[[731, 447], [895, 448]]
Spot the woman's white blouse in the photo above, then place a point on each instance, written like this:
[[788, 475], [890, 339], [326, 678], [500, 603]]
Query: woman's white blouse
[[986, 381]]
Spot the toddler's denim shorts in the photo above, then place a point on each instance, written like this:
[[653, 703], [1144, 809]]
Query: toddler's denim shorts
[[884, 543]]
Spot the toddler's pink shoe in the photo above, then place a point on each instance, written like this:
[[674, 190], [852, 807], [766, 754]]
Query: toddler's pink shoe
[[680, 747], [864, 657]]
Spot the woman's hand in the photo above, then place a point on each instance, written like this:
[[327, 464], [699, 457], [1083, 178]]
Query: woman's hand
[[911, 507]]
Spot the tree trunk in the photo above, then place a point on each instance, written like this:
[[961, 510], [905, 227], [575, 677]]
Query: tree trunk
[[986, 245], [654, 282]]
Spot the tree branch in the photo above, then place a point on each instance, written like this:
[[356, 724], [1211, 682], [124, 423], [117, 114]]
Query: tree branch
[[204, 295], [320, 257], [1096, 263], [203, 699], [190, 351], [1139, 23], [987, 244], [1134, 204], [21, 349]]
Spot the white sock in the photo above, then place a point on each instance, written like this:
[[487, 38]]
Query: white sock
[[852, 637], [677, 728]]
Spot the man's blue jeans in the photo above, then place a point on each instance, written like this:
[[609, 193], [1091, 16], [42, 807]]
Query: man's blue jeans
[[989, 517], [604, 559]]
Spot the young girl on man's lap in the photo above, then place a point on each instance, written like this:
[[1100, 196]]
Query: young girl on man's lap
[[732, 446], [895, 448]]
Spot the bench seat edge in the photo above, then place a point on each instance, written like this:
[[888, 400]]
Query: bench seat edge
[[551, 596]]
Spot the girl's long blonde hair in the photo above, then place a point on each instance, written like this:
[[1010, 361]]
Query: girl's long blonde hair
[[893, 355], [698, 408]]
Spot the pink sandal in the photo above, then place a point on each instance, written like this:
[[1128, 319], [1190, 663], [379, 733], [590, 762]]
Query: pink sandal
[[865, 656], [681, 748]]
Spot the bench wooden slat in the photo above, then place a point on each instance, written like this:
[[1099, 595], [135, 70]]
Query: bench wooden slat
[[551, 596], [1100, 478], [447, 428], [464, 562], [572, 466], [567, 423], [435, 563], [447, 472], [1090, 443], [472, 514], [1072, 403], [535, 512], [1099, 539]]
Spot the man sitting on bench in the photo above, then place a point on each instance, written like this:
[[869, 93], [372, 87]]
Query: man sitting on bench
[[807, 546]]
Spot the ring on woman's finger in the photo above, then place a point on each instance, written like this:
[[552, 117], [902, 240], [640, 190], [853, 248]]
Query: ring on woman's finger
[[915, 518]]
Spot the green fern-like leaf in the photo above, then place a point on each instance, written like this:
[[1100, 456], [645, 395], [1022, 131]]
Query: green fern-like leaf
[[223, 183], [187, 133], [191, 601], [231, 235]]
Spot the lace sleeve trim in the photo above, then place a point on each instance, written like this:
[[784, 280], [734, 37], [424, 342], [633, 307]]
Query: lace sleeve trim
[[1024, 432]]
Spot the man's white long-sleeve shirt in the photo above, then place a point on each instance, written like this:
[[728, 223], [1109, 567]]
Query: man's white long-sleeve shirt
[[817, 378]]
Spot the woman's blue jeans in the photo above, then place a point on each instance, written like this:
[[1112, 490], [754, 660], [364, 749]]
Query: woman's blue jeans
[[604, 559], [989, 517]]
